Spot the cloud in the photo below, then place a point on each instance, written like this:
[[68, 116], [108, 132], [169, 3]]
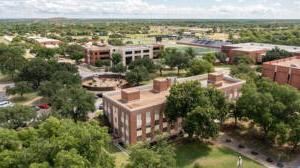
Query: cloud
[[138, 9]]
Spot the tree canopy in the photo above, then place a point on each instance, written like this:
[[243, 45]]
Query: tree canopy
[[56, 143]]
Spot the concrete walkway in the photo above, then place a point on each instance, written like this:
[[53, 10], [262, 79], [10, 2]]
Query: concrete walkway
[[260, 158]]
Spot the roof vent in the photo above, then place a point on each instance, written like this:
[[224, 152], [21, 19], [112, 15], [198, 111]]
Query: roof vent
[[293, 65]]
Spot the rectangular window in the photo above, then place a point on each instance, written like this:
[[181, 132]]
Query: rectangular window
[[156, 116], [139, 120], [148, 119], [128, 52]]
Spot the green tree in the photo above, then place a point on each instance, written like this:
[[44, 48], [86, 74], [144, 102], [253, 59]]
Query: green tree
[[219, 102], [275, 54], [135, 76], [183, 99], [190, 52], [74, 102], [20, 88], [11, 59], [200, 123], [70, 159], [160, 155], [242, 59], [101, 63], [210, 57], [116, 58], [222, 57], [294, 137], [146, 62], [36, 71], [118, 68], [243, 71], [115, 42], [15, 117], [56, 143], [174, 58], [46, 53], [76, 52], [200, 66]]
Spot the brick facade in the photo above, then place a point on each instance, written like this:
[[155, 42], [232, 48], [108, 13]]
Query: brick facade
[[283, 71], [137, 114]]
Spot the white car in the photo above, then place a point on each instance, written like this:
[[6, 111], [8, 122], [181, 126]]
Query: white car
[[6, 103]]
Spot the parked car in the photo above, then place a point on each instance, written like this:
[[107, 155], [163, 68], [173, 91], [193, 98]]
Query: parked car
[[6, 103], [44, 106]]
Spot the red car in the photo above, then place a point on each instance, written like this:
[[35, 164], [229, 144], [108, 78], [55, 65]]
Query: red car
[[44, 106]]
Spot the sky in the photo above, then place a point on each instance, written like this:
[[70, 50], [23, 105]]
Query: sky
[[152, 9]]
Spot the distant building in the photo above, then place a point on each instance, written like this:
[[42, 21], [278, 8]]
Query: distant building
[[129, 53], [217, 44], [46, 42], [137, 114], [256, 51], [283, 71]]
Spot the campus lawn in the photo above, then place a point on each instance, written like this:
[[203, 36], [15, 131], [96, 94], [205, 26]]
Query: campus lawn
[[208, 156], [198, 50]]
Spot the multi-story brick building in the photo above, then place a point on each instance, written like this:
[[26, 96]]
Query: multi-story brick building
[[129, 53], [137, 114], [256, 51], [283, 71], [94, 53]]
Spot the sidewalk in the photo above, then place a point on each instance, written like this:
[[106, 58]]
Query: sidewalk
[[260, 158]]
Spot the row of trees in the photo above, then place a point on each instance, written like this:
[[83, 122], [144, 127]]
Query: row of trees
[[275, 110], [140, 69], [59, 83]]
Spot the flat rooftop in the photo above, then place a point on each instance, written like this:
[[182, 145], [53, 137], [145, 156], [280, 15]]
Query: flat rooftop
[[97, 48], [263, 46], [148, 98], [293, 62], [44, 39]]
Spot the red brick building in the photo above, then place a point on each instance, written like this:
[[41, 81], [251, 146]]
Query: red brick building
[[256, 51], [283, 71], [94, 53], [129, 53], [137, 114]]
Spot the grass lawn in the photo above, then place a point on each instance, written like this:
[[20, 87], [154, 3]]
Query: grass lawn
[[198, 50], [25, 100], [121, 159], [208, 156]]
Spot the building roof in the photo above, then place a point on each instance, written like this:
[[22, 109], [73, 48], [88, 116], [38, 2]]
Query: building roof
[[97, 48], [250, 47], [292, 62], [149, 98], [43, 39]]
